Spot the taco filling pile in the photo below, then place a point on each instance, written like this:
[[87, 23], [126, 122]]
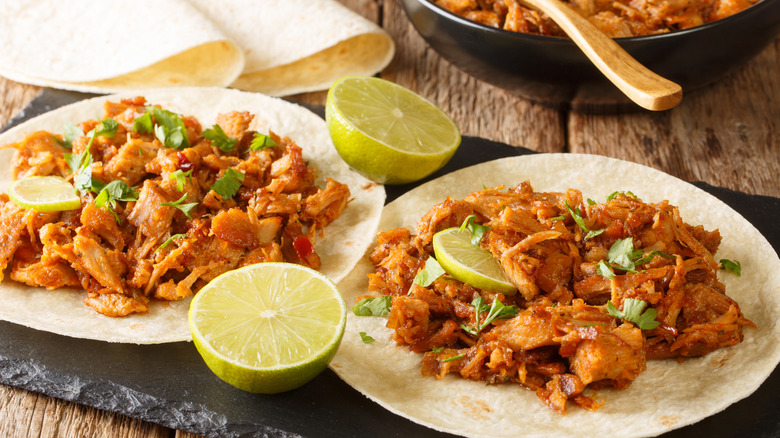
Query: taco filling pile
[[166, 206], [600, 288]]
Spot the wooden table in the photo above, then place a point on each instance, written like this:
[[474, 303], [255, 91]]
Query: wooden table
[[726, 135]]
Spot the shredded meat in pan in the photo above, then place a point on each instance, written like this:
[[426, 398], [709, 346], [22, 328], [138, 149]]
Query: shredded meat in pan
[[563, 338], [616, 18], [127, 253]]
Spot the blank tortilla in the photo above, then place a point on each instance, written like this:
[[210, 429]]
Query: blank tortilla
[[667, 396]]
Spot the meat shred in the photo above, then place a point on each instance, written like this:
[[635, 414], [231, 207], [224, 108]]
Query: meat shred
[[127, 253], [618, 18], [562, 338]]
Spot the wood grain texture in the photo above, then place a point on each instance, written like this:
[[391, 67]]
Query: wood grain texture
[[727, 134]]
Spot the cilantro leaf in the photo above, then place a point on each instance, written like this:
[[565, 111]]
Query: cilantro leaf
[[180, 177], [731, 265], [219, 138], [261, 141], [650, 256], [605, 270], [430, 273], [613, 194], [477, 231], [116, 190], [632, 312], [144, 124], [620, 254], [456, 357], [577, 216], [69, 133], [106, 128], [373, 306], [168, 242], [167, 126], [365, 338], [498, 311], [228, 185], [185, 208], [437, 349]]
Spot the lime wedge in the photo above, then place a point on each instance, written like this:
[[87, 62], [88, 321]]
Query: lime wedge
[[44, 193], [469, 263], [386, 132], [268, 327]]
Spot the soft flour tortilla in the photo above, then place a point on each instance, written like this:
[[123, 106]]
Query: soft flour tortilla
[[62, 311], [111, 46], [295, 46], [668, 395], [277, 47]]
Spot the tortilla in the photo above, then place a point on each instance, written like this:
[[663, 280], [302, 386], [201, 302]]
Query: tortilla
[[345, 240], [668, 395], [277, 47]]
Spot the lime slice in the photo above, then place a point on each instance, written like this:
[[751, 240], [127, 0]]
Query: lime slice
[[469, 263], [386, 132], [268, 327], [44, 193]]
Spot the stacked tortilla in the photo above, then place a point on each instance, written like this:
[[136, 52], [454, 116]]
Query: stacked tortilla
[[276, 47]]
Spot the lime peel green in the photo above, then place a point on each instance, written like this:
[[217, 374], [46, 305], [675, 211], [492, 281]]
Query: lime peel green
[[268, 327], [470, 263], [44, 193], [386, 132]]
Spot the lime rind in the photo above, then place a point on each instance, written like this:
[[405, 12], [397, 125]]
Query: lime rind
[[44, 193], [469, 263], [281, 349]]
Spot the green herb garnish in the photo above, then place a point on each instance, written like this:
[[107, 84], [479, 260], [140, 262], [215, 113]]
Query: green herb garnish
[[477, 231], [605, 270], [228, 185], [731, 265], [613, 194], [219, 138], [437, 349], [69, 133], [116, 190], [496, 311], [633, 312], [261, 141], [373, 306], [456, 357], [168, 242], [365, 338], [430, 273], [180, 178], [185, 208], [577, 216], [168, 127]]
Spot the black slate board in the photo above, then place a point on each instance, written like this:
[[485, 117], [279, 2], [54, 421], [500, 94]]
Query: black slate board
[[170, 385]]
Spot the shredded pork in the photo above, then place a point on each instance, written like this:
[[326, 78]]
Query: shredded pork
[[562, 338], [616, 18], [128, 253]]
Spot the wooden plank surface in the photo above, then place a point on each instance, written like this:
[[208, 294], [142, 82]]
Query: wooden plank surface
[[726, 135]]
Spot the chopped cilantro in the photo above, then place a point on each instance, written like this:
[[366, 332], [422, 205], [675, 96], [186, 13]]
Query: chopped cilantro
[[168, 127], [116, 190], [731, 265], [558, 218], [477, 231], [69, 133], [168, 242], [577, 216], [430, 273], [373, 306], [632, 311], [106, 128], [228, 185], [219, 138], [605, 270], [366, 338], [437, 349], [613, 194], [261, 141], [621, 254], [456, 357], [180, 178], [185, 208], [496, 311], [591, 202]]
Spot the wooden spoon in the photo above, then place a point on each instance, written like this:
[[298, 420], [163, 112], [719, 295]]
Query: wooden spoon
[[636, 81]]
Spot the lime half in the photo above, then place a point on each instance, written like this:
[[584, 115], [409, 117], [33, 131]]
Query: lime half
[[44, 193], [268, 327], [386, 132], [469, 263]]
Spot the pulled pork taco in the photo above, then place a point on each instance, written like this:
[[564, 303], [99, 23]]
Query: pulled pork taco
[[174, 188], [612, 317]]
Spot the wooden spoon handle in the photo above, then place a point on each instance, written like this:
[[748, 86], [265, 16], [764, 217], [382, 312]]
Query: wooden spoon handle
[[636, 81]]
